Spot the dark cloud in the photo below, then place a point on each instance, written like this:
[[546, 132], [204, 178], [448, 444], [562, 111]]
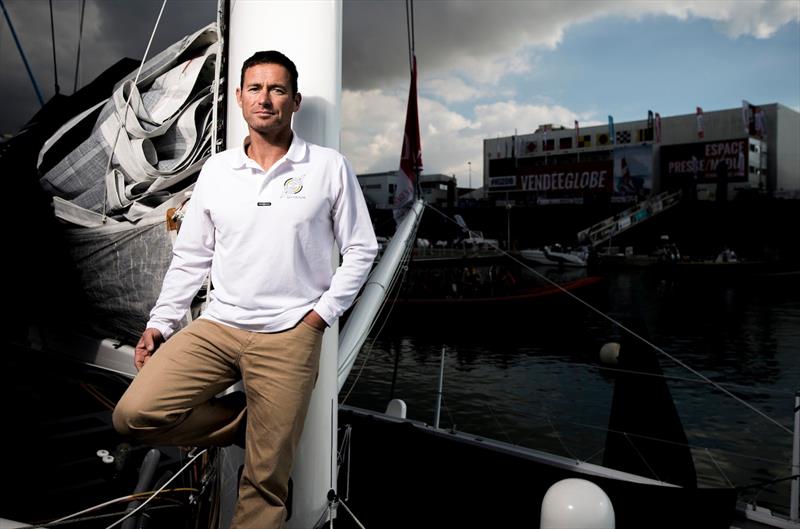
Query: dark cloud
[[112, 30], [482, 40]]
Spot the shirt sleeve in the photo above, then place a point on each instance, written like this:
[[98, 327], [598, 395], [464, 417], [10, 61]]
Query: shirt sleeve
[[191, 261], [352, 229]]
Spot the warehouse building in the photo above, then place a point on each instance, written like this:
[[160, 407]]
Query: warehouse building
[[718, 155]]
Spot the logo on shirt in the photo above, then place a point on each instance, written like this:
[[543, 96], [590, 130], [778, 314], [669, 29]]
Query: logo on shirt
[[293, 186]]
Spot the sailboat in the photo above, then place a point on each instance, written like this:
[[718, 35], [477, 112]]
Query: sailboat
[[353, 465]]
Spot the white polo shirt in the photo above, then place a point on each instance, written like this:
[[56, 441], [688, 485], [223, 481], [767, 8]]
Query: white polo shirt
[[267, 237]]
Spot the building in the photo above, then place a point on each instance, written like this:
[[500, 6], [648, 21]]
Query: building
[[379, 188], [715, 155]]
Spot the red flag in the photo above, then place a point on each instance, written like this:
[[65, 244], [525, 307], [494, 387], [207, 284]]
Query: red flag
[[700, 131], [411, 155]]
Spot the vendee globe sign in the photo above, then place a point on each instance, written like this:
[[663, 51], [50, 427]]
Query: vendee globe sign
[[571, 179]]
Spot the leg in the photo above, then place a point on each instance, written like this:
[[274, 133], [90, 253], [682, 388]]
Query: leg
[[279, 372], [171, 399]]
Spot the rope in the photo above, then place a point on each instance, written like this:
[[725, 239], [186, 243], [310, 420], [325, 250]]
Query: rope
[[494, 416], [561, 441], [72, 518], [80, 39], [22, 54], [404, 267], [665, 441], [127, 105], [53, 39], [641, 456], [170, 480], [719, 468], [172, 505], [738, 387], [629, 331]]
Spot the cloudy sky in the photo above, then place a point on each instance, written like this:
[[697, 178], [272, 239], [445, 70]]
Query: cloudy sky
[[487, 68]]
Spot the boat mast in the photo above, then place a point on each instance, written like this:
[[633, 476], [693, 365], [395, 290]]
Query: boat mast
[[310, 33]]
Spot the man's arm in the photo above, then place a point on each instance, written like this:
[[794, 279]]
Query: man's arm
[[191, 261], [352, 229]]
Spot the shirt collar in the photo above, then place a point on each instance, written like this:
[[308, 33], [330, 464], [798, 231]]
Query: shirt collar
[[296, 153]]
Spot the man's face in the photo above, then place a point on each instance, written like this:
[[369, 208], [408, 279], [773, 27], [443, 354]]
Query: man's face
[[266, 98]]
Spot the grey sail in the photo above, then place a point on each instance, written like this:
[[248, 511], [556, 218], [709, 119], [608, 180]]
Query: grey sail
[[115, 212]]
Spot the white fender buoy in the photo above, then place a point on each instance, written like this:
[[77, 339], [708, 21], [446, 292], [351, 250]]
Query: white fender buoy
[[609, 353], [396, 408], [576, 504]]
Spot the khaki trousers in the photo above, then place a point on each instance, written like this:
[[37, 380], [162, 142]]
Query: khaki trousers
[[171, 402]]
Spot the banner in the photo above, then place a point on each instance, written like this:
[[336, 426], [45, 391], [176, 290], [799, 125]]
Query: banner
[[568, 179], [611, 129], [633, 170], [700, 130], [705, 162], [754, 120]]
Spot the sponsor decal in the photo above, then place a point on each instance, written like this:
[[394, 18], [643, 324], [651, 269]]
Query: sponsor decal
[[292, 187], [503, 181], [706, 162]]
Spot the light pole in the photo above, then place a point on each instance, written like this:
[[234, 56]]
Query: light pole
[[508, 224], [470, 174]]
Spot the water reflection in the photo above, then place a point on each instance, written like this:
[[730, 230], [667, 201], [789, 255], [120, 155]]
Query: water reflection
[[527, 373]]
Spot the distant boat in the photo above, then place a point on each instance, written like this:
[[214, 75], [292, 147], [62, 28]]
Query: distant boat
[[557, 256]]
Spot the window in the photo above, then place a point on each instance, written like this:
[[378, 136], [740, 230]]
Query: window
[[565, 143]]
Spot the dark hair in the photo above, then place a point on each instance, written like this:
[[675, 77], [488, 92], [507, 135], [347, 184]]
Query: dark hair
[[271, 57]]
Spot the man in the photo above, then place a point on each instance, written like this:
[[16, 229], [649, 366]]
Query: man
[[263, 217]]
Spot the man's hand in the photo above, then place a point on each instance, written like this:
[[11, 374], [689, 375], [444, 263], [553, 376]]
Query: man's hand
[[150, 341], [315, 320]]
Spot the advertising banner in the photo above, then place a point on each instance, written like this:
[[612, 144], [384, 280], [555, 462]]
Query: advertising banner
[[633, 170], [572, 179], [705, 162]]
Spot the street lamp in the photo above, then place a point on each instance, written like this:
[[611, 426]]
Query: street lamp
[[470, 174]]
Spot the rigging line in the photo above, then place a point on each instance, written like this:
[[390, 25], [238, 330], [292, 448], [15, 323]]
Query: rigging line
[[719, 469], [494, 416], [385, 320], [682, 379], [73, 517], [53, 40], [450, 414], [127, 105], [628, 330], [22, 54], [140, 507], [172, 505], [641, 456], [762, 484], [80, 39], [664, 441], [561, 441], [404, 267]]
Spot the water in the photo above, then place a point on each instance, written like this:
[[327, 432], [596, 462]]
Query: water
[[530, 374]]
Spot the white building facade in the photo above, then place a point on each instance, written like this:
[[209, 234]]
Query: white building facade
[[379, 188]]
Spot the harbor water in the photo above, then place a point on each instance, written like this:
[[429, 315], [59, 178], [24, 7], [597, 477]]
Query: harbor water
[[530, 374]]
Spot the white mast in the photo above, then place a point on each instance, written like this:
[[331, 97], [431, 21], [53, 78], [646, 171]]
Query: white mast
[[309, 33]]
